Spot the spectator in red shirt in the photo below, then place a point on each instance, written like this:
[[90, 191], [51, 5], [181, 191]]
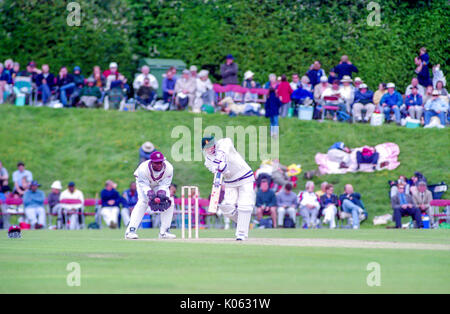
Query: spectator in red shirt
[[284, 93], [112, 74]]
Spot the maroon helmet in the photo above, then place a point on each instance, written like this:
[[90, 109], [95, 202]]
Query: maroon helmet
[[157, 157]]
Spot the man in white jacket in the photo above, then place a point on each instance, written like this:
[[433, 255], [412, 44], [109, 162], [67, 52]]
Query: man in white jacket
[[309, 206], [239, 199], [139, 80], [204, 92], [153, 179]]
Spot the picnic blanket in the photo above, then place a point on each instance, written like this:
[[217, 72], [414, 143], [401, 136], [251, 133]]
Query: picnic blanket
[[388, 152]]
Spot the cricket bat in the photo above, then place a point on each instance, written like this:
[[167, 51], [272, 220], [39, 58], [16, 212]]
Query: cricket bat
[[215, 193]]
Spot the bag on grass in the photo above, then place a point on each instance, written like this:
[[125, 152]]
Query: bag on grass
[[288, 222]]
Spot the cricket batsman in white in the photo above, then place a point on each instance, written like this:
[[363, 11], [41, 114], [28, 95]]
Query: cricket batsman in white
[[239, 199], [153, 179]]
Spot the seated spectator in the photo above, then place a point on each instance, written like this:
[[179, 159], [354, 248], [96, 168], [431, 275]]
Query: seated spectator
[[66, 85], [90, 94], [332, 96], [185, 90], [193, 70], [284, 92], [287, 204], [305, 83], [414, 103], [323, 187], [358, 82], [272, 108], [45, 83], [110, 204], [368, 155], [295, 82], [31, 71], [145, 151], [345, 67], [309, 206], [33, 202], [402, 180], [266, 203], [16, 70], [379, 94], [442, 91], [204, 92], [116, 95], [428, 94], [272, 81], [403, 205], [329, 204], [391, 102], [339, 153], [422, 198], [145, 74], [279, 174], [5, 79], [415, 83], [168, 85], [438, 75], [315, 73], [53, 202], [347, 92], [9, 68], [78, 79], [99, 78], [435, 107], [18, 177], [111, 75], [319, 89], [4, 179], [249, 82], [131, 198], [145, 94], [301, 96], [72, 212], [363, 101], [351, 204]]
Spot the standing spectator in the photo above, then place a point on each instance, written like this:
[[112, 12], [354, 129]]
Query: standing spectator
[[351, 204], [345, 67], [284, 92], [53, 202], [90, 94], [403, 205], [145, 151], [266, 203], [145, 94], [309, 206], [295, 82], [145, 74], [347, 92], [33, 201], [379, 94], [391, 102], [339, 153], [18, 177], [414, 103], [66, 85], [185, 90], [110, 204], [45, 82], [415, 83], [287, 204], [422, 198], [329, 203], [423, 72], [74, 212], [315, 73], [272, 81], [438, 75], [131, 198], [363, 101], [204, 91], [332, 77], [229, 71], [272, 108], [168, 85], [5, 79], [435, 107], [4, 177]]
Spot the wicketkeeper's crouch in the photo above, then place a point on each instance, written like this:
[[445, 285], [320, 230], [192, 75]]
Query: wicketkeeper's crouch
[[239, 199], [153, 179]]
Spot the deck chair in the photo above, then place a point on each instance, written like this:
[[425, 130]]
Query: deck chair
[[23, 90]]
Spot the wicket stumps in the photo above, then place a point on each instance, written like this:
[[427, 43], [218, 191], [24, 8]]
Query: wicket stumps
[[189, 189]]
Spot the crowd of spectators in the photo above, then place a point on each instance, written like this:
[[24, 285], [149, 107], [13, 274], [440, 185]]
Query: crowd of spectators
[[353, 100]]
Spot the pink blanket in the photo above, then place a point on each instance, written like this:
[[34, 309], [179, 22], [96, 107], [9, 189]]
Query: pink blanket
[[388, 152]]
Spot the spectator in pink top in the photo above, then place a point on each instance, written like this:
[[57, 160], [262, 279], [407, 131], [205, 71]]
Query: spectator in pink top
[[284, 93]]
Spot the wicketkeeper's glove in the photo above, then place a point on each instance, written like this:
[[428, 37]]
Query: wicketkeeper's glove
[[158, 202]]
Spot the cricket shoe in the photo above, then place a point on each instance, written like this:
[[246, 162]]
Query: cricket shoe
[[167, 235], [131, 236]]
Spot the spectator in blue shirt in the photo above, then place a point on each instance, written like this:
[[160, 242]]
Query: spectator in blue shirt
[[345, 67], [168, 85], [130, 198], [414, 103], [423, 72], [4, 79], [266, 203], [435, 107], [315, 73], [352, 206], [33, 202], [329, 204], [66, 85], [363, 101], [110, 204], [391, 102]]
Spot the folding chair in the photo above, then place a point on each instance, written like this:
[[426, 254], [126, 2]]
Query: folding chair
[[328, 107], [23, 89]]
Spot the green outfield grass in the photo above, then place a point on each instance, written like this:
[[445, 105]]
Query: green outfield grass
[[37, 263], [91, 146]]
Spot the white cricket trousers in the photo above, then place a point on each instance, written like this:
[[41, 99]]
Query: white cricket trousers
[[329, 214], [339, 156], [238, 204], [141, 207], [110, 215], [35, 215], [282, 212]]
